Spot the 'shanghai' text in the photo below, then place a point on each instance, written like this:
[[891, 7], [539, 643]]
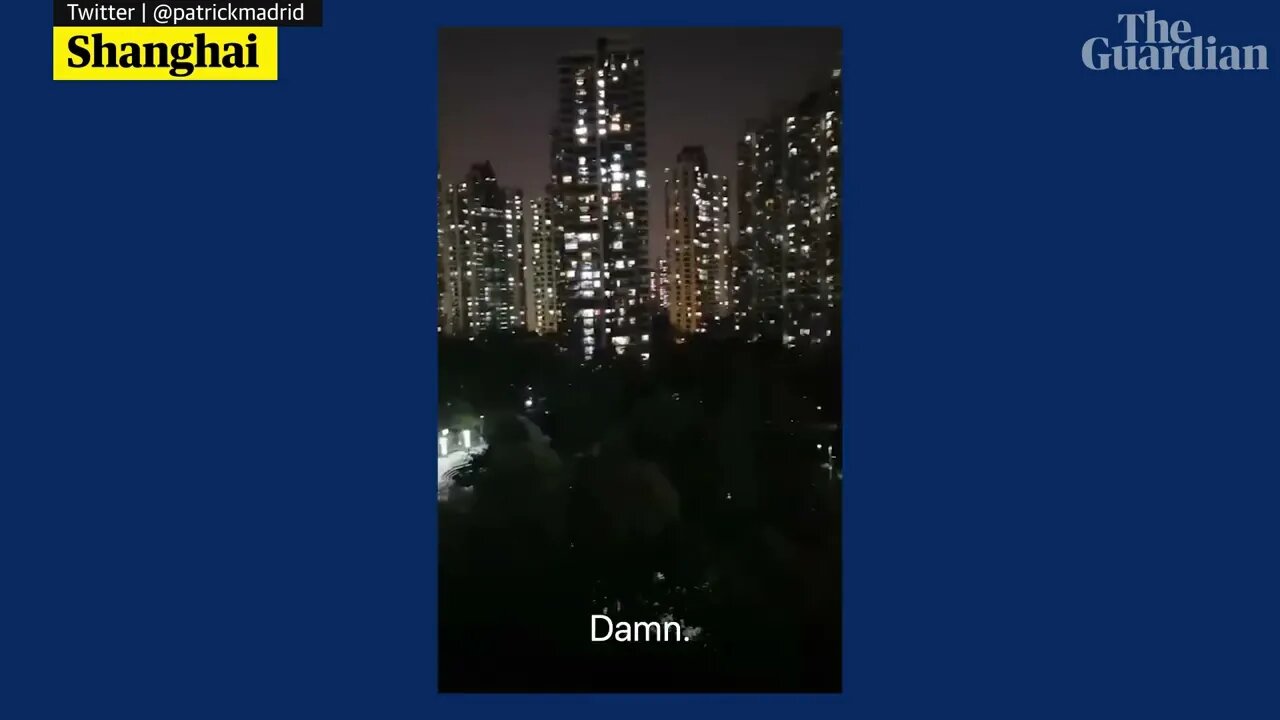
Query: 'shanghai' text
[[182, 58]]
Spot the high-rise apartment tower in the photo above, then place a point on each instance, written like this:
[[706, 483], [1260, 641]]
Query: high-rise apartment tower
[[599, 168], [697, 243]]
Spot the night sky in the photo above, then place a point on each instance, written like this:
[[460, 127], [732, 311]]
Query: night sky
[[497, 93]]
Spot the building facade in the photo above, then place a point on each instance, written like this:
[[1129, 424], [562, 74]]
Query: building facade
[[600, 201], [515, 237], [697, 243], [541, 266], [659, 285], [786, 277], [451, 266], [480, 235]]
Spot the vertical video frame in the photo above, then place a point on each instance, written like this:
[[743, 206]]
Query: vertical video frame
[[639, 273]]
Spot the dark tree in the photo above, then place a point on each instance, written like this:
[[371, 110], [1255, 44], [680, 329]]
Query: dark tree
[[704, 486]]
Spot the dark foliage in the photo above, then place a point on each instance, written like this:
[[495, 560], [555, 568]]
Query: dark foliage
[[697, 486]]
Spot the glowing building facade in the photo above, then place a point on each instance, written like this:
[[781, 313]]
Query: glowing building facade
[[480, 235], [786, 274], [451, 265], [541, 265], [659, 285], [697, 243], [600, 201]]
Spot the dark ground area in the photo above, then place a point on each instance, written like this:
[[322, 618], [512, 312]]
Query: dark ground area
[[697, 487]]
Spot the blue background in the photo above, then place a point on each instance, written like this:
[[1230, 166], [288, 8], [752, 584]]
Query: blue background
[[1062, 395]]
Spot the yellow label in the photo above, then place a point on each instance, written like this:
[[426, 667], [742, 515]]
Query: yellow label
[[164, 53]]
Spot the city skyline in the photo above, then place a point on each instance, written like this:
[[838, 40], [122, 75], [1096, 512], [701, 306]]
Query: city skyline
[[753, 253], [704, 86]]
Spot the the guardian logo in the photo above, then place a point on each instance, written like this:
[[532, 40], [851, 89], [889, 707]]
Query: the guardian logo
[[1153, 44]]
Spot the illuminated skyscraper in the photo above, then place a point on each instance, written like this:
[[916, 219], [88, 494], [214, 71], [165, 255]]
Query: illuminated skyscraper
[[787, 271], [481, 230], [540, 268], [599, 171], [697, 239], [451, 266], [514, 240]]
